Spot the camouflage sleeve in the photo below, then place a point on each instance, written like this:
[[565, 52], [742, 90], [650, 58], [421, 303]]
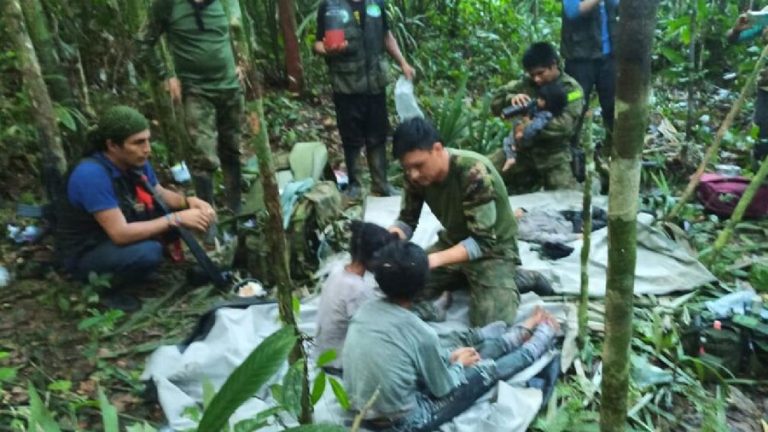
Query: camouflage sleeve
[[564, 125], [146, 41], [501, 97], [410, 209], [479, 206]]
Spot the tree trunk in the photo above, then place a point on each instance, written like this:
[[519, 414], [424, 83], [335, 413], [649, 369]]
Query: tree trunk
[[692, 74], [277, 242], [53, 160], [586, 216], [715, 146], [638, 20], [293, 65]]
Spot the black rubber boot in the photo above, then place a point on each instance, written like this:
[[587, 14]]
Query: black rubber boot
[[352, 158], [759, 152], [377, 163], [233, 175], [204, 190]]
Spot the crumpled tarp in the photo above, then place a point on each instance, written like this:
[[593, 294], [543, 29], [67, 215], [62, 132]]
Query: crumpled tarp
[[663, 266], [178, 374]]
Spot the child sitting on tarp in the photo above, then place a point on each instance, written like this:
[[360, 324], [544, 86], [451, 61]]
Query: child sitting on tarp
[[390, 351]]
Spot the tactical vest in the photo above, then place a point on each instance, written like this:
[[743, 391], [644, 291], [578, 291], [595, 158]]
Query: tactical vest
[[362, 67], [582, 37], [77, 231]]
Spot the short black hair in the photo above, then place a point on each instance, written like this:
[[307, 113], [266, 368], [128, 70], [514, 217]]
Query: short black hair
[[540, 54], [367, 238], [416, 133], [554, 96], [401, 269]]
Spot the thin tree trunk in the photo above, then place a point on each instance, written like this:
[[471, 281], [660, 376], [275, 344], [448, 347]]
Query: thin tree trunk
[[586, 216], [712, 150], [293, 65], [277, 242], [53, 156], [638, 20], [692, 73], [738, 213]]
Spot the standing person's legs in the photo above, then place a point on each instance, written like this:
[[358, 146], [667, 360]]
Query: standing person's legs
[[200, 118], [761, 121], [350, 120], [376, 127], [492, 290], [606, 92], [583, 71], [129, 263], [229, 112], [556, 171]]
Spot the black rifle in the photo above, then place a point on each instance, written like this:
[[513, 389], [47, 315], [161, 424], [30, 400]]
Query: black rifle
[[219, 278]]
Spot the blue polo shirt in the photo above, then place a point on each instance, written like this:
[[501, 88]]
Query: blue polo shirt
[[572, 12], [90, 183]]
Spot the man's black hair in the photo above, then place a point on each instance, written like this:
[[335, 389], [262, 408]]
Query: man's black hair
[[554, 96], [401, 269], [540, 54], [413, 134], [367, 238]]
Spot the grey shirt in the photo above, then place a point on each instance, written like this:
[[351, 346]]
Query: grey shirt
[[539, 226], [388, 347], [341, 295]]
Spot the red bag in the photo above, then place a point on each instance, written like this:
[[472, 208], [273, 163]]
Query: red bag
[[720, 194]]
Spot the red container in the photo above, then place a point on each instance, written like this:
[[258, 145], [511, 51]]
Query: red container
[[334, 38]]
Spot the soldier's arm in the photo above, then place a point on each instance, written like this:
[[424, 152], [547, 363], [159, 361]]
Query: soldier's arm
[[410, 211], [564, 125], [479, 207], [502, 97], [146, 41]]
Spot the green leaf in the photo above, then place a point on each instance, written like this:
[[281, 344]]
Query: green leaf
[[208, 392], [261, 420], [39, 414], [7, 373], [292, 384], [326, 357], [248, 378], [108, 413], [60, 385], [4, 355], [339, 392], [318, 387], [65, 118], [296, 305]]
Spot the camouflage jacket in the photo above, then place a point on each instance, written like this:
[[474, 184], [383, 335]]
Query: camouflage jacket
[[556, 135], [471, 204]]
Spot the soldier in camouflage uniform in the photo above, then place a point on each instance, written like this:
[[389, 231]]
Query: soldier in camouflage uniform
[[477, 248], [743, 31], [547, 162], [206, 79]]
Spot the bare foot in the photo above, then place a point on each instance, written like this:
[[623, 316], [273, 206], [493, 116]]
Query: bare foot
[[538, 315]]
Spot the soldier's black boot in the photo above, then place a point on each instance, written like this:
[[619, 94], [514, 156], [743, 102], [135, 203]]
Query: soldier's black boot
[[204, 190], [352, 158]]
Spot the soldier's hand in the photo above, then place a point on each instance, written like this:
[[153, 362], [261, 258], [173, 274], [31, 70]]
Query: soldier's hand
[[194, 219], [334, 49], [197, 203], [400, 233], [173, 85], [408, 71], [520, 99]]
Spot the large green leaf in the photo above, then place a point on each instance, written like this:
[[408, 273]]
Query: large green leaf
[[292, 386], [318, 387], [248, 378], [108, 413], [39, 414]]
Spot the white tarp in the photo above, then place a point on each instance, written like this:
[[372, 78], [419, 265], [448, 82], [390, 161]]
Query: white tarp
[[662, 267], [178, 375]]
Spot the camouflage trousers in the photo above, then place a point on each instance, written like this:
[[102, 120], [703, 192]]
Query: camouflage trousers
[[493, 294], [213, 121], [531, 172]]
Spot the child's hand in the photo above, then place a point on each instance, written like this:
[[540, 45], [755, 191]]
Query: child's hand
[[508, 164]]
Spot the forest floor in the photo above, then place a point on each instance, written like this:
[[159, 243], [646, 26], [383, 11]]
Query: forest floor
[[55, 336]]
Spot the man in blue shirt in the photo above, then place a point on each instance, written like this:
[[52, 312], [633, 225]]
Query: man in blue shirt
[[743, 31], [109, 223], [587, 45]]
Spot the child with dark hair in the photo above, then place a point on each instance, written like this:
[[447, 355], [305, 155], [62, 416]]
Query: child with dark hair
[[550, 103], [347, 287], [420, 384]]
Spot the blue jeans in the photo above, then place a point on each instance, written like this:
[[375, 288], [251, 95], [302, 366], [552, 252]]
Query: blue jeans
[[129, 263], [430, 412]]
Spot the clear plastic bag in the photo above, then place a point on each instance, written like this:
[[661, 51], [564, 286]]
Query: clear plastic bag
[[405, 100]]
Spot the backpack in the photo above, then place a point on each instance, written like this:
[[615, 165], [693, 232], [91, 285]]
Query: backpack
[[719, 194]]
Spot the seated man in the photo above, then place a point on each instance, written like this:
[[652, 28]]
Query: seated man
[[421, 385], [477, 249], [547, 160], [108, 222]]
